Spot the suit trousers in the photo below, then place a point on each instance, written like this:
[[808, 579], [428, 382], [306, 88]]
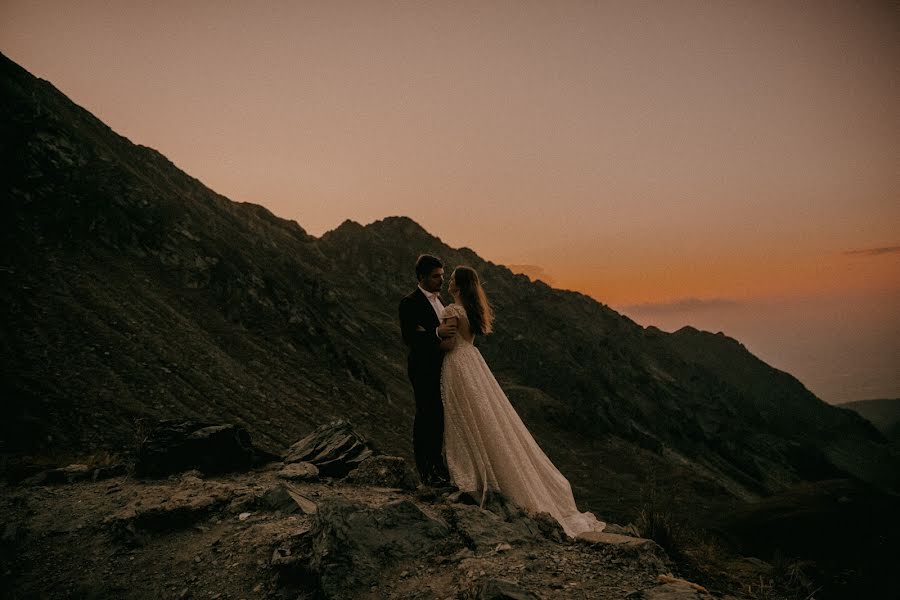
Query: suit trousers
[[428, 428]]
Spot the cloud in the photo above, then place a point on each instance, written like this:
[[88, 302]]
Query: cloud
[[534, 272], [873, 251], [681, 305]]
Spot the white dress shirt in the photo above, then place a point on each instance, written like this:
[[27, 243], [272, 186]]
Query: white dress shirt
[[435, 300]]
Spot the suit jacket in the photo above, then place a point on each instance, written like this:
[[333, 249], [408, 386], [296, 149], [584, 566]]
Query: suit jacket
[[425, 354]]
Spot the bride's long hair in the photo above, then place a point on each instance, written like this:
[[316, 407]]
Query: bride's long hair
[[474, 300]]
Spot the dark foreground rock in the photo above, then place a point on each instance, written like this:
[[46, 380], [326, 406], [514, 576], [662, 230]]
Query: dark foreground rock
[[334, 448], [74, 473], [173, 447], [287, 499], [352, 543], [483, 530]]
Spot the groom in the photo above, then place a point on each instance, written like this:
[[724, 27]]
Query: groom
[[420, 324]]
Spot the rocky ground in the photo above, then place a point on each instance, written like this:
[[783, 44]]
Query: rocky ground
[[234, 536], [297, 530]]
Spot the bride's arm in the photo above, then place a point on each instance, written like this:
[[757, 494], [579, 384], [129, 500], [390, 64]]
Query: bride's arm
[[450, 342]]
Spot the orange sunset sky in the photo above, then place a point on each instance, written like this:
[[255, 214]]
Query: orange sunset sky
[[730, 165]]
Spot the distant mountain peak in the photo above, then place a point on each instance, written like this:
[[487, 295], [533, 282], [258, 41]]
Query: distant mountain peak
[[346, 226], [398, 220], [401, 225], [389, 229], [688, 330]]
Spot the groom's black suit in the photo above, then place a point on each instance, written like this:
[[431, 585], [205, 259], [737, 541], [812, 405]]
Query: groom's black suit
[[418, 323]]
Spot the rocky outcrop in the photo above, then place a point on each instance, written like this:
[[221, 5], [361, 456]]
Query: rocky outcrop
[[334, 448], [482, 530], [174, 446], [254, 534], [351, 543]]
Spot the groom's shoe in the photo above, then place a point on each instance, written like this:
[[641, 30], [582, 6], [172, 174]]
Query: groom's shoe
[[443, 487], [435, 478]]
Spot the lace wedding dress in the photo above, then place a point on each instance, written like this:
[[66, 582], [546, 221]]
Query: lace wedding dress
[[487, 446]]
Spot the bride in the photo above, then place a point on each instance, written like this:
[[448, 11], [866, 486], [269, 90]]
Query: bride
[[487, 446]]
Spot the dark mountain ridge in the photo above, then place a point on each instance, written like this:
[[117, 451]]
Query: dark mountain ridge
[[132, 292]]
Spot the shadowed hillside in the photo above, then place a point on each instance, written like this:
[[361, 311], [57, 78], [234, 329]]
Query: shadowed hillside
[[883, 413]]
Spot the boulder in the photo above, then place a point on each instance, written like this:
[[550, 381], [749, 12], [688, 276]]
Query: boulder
[[175, 446], [335, 448], [384, 471], [299, 471], [482, 530], [352, 543], [279, 498]]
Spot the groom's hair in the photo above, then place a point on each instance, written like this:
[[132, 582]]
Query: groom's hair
[[427, 263]]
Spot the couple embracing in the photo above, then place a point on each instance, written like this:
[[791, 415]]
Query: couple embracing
[[466, 432]]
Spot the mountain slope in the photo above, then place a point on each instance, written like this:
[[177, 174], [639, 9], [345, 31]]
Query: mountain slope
[[883, 413], [133, 292]]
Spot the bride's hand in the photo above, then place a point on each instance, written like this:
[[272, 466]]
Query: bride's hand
[[447, 329]]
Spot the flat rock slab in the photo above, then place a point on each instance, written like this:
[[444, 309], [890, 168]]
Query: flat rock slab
[[629, 530], [306, 505], [167, 510], [672, 589]]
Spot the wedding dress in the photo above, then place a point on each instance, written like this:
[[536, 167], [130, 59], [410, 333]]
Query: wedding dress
[[487, 446]]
